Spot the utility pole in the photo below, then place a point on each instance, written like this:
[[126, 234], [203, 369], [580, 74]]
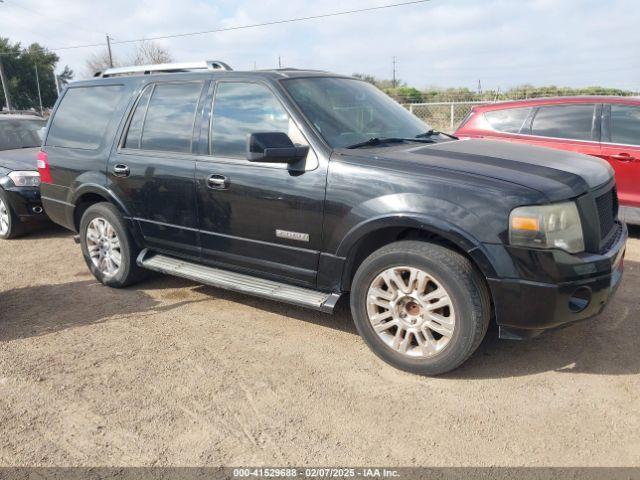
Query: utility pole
[[479, 87], [279, 62], [109, 49], [5, 87], [38, 84], [57, 80], [393, 82]]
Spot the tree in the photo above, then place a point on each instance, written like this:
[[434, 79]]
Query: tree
[[99, 62], [147, 52], [65, 77], [20, 69], [150, 53]]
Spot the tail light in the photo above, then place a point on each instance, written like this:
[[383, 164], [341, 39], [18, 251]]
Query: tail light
[[43, 167]]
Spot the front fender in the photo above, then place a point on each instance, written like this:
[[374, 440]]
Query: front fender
[[426, 223]]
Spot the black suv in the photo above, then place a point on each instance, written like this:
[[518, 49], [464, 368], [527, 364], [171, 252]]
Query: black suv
[[300, 186], [20, 139]]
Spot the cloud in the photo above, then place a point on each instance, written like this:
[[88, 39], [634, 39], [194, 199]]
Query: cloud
[[443, 42]]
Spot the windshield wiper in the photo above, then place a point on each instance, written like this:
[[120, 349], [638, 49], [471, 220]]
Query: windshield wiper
[[379, 141], [433, 133]]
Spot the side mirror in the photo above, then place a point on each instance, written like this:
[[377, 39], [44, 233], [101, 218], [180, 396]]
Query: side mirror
[[273, 147]]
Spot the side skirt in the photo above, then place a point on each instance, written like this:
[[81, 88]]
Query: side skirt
[[239, 282]]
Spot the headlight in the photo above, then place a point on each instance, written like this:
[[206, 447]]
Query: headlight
[[25, 179], [547, 226]]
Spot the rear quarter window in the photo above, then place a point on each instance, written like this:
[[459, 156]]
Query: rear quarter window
[[83, 115], [510, 120]]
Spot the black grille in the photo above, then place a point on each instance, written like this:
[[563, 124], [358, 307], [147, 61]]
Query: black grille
[[607, 205]]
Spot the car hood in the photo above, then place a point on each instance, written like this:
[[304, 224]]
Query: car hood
[[19, 159], [557, 174]]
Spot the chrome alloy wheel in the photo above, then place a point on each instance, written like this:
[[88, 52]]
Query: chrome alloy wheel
[[411, 311], [103, 246], [4, 218]]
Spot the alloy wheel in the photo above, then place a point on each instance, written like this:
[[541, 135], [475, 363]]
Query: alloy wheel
[[103, 246], [4, 218], [411, 311]]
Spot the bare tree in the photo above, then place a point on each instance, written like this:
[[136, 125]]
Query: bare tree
[[146, 52], [99, 61]]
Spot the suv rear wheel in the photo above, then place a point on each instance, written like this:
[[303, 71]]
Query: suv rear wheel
[[107, 246], [420, 306]]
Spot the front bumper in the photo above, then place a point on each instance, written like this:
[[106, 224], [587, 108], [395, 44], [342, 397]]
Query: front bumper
[[526, 307], [26, 203]]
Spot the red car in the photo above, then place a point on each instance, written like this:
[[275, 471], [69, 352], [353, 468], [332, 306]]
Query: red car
[[607, 127]]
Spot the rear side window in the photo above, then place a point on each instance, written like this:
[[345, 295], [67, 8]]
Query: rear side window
[[573, 122], [625, 124], [134, 134], [83, 115], [243, 108], [510, 120], [164, 118]]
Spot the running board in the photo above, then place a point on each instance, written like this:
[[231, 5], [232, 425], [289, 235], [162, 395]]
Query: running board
[[304, 297]]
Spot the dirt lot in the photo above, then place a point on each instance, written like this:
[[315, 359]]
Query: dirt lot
[[174, 373]]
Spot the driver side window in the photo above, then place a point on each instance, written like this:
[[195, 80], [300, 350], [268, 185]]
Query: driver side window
[[240, 109]]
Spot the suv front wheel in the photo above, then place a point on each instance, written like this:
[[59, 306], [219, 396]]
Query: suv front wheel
[[10, 226], [107, 246], [420, 306]]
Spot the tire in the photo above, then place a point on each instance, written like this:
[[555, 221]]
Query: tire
[[416, 336], [10, 226], [97, 237]]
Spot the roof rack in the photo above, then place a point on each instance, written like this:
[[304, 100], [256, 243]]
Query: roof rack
[[209, 65]]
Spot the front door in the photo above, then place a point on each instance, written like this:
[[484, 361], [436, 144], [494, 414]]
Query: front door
[[621, 148], [153, 168], [265, 219]]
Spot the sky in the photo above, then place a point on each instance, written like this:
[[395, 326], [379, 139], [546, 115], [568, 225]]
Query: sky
[[446, 43]]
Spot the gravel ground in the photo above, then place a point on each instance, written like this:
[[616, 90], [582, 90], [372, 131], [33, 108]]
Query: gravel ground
[[173, 373]]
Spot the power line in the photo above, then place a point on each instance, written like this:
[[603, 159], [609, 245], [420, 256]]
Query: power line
[[242, 27], [278, 22]]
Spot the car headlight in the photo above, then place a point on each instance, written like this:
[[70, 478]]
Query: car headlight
[[25, 179], [547, 226]]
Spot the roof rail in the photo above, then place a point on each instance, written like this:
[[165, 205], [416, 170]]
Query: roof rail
[[164, 68], [20, 112]]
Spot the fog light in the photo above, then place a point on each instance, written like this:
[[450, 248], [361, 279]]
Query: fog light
[[580, 299], [37, 209]]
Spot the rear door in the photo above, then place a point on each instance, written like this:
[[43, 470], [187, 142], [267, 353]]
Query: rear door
[[574, 127], [153, 168], [621, 148]]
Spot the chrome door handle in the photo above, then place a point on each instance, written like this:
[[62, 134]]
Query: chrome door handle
[[121, 170], [217, 182], [624, 157]]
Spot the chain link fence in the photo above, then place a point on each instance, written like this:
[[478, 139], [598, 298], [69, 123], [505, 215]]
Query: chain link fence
[[443, 116]]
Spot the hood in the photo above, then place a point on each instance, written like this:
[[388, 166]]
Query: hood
[[19, 159], [557, 174]]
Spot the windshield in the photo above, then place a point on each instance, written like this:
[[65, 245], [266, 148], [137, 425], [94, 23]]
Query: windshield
[[347, 111], [20, 133]]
